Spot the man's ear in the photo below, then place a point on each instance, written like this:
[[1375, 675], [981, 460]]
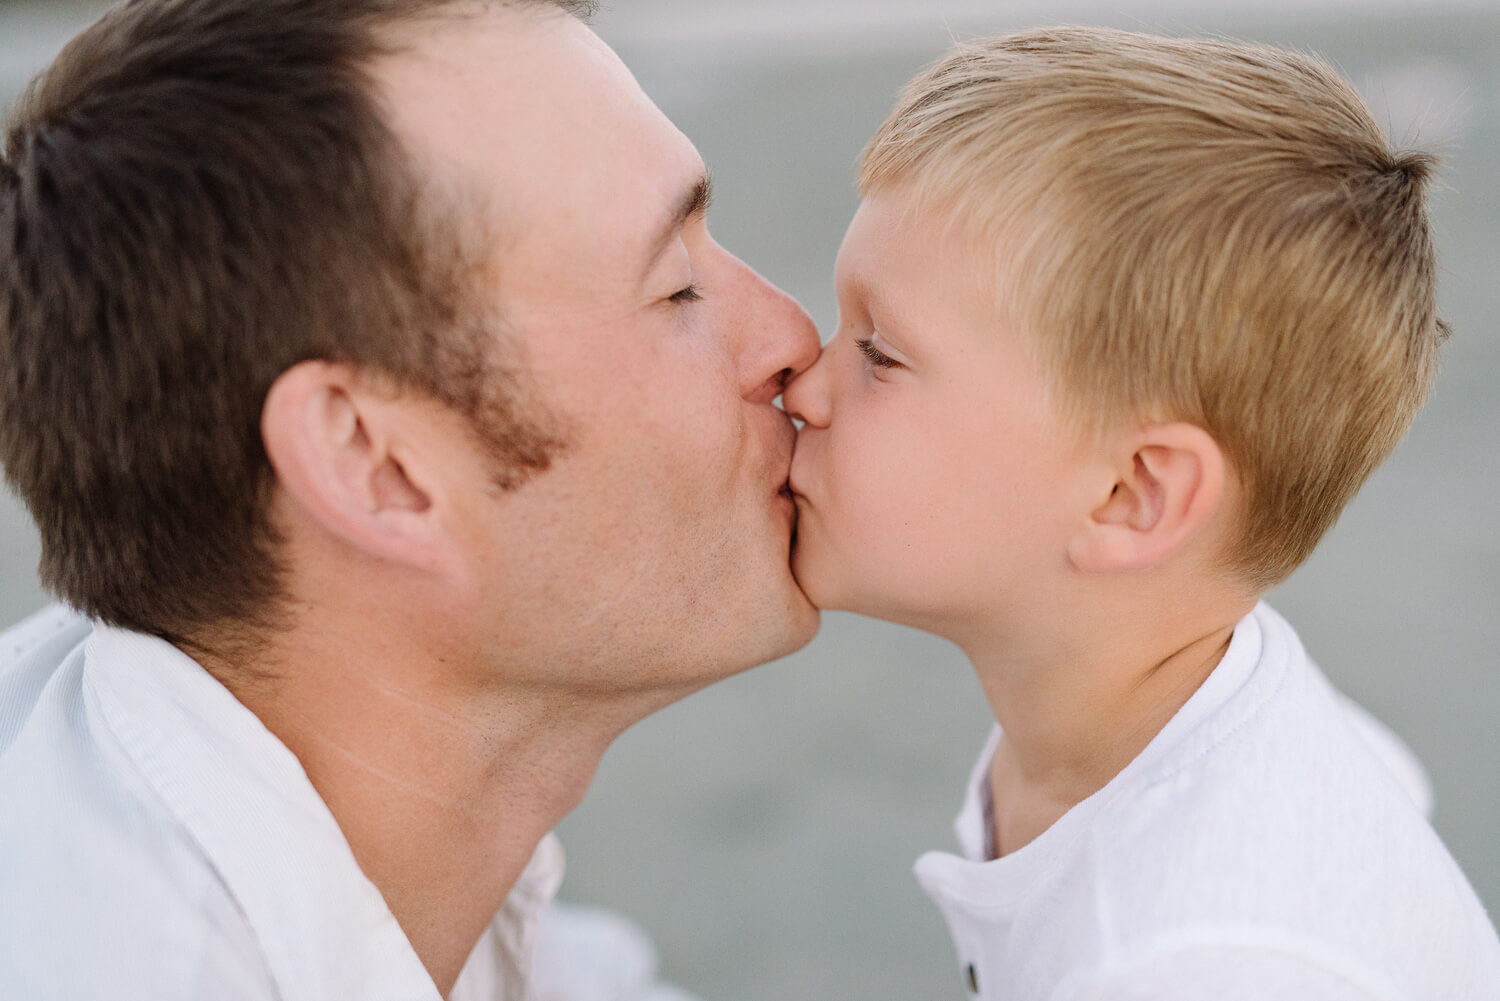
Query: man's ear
[[334, 443], [1168, 482]]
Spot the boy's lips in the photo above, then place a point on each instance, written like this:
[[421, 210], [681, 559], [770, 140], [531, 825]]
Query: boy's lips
[[791, 473]]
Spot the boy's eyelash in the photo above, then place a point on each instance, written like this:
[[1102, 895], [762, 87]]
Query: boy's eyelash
[[690, 294], [874, 355]]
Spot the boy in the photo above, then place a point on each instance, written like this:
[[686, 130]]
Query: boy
[[1125, 323]]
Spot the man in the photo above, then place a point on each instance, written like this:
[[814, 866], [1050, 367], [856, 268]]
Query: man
[[402, 437]]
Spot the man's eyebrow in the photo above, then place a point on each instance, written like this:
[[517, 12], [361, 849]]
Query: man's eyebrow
[[694, 202], [697, 201]]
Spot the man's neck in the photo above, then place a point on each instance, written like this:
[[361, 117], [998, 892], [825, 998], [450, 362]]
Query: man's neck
[[1075, 714], [442, 793]]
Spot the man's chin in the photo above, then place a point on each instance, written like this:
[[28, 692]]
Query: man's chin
[[802, 618], [796, 623], [809, 621]]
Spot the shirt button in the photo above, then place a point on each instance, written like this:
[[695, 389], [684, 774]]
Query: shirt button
[[973, 977]]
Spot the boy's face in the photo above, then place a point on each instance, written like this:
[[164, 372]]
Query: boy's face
[[935, 484]]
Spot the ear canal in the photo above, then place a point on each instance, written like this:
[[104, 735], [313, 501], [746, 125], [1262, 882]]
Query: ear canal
[[394, 489]]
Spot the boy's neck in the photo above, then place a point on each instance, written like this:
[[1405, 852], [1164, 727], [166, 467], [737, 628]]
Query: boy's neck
[[1072, 722]]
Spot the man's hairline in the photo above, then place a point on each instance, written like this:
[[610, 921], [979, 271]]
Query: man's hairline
[[388, 30]]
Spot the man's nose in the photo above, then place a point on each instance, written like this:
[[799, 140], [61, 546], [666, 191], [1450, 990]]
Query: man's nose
[[806, 397], [780, 342]]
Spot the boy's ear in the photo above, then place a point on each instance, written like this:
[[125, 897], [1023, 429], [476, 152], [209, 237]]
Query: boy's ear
[[344, 464], [1168, 482]]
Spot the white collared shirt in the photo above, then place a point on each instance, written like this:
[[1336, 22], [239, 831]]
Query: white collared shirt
[[158, 843], [1270, 843]]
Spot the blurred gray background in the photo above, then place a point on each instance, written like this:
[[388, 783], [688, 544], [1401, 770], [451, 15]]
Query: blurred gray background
[[763, 831]]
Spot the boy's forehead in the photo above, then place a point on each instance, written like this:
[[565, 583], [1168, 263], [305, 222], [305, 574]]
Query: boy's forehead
[[902, 251], [881, 237]]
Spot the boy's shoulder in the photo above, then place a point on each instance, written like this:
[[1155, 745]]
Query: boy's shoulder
[[1277, 749], [1290, 812], [1272, 830]]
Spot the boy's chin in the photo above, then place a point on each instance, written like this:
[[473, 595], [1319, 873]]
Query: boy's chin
[[814, 580], [833, 586], [834, 594], [826, 591]]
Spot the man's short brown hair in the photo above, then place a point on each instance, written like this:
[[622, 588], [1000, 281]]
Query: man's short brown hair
[[195, 196], [1192, 230]]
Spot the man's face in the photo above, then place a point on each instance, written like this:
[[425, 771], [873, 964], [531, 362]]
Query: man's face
[[656, 549], [933, 473]]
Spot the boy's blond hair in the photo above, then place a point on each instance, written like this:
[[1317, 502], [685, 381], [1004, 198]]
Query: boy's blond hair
[[1191, 230]]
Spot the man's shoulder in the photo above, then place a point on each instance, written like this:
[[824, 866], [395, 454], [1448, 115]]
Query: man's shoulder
[[120, 919], [102, 890], [30, 651], [38, 627], [41, 660]]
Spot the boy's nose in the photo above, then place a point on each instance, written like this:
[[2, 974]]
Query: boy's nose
[[806, 397]]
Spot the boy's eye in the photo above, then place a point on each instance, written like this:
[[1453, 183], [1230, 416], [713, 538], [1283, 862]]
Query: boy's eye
[[875, 356], [690, 294]]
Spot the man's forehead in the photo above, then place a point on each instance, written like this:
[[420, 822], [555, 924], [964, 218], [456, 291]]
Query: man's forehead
[[538, 116], [463, 82]]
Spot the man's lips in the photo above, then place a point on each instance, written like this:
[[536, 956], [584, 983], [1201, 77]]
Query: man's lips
[[793, 508]]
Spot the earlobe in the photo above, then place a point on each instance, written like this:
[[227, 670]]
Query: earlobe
[[1167, 487], [325, 435]]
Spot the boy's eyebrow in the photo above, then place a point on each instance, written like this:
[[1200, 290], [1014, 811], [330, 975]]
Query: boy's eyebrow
[[876, 302]]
